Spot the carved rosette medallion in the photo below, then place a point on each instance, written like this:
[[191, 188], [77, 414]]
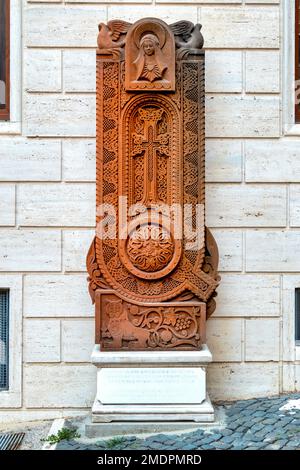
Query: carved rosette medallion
[[150, 252], [150, 180], [150, 248]]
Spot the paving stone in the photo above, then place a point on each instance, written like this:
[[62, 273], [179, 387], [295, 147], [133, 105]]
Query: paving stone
[[250, 436], [269, 421], [233, 425], [294, 443], [228, 439], [158, 438], [196, 441], [216, 436], [257, 427], [271, 437], [258, 445], [291, 429], [255, 420], [241, 442], [232, 412], [100, 443], [242, 429], [285, 421], [244, 415], [265, 430], [259, 414], [197, 433], [226, 432], [208, 447], [208, 440], [222, 445], [251, 425], [273, 408], [280, 443], [188, 447]]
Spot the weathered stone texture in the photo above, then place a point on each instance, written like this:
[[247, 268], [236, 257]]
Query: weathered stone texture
[[43, 70], [241, 295], [81, 334], [224, 338], [242, 381], [56, 205], [41, 340], [59, 385], [56, 296], [246, 205], [79, 160], [29, 160], [75, 246], [30, 250], [262, 339], [7, 204]]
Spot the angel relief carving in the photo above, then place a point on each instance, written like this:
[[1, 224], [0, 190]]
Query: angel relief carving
[[111, 37], [188, 37]]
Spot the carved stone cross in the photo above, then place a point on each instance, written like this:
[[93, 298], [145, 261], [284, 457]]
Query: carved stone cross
[[152, 289], [150, 142]]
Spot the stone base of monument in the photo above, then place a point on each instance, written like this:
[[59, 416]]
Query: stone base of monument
[[151, 386]]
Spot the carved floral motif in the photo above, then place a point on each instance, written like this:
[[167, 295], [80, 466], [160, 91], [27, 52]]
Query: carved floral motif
[[150, 248], [123, 325]]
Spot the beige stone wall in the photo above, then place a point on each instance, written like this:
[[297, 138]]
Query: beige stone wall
[[253, 198]]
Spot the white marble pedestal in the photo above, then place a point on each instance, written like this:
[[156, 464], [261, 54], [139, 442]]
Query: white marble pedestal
[[151, 386]]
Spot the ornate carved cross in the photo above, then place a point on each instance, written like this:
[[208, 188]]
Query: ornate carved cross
[[150, 141]]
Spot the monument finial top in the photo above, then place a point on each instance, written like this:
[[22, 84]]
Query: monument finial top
[[113, 35]]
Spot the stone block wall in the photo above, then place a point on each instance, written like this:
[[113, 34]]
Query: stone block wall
[[47, 195]]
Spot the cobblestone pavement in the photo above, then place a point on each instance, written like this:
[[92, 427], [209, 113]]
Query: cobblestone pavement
[[250, 425]]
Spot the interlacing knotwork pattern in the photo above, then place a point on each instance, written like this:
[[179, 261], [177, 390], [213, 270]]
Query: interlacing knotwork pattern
[[148, 122], [193, 147], [110, 132]]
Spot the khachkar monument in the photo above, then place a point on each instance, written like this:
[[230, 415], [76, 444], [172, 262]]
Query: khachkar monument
[[153, 263]]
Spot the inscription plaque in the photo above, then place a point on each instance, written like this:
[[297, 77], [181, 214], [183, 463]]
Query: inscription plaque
[[151, 385]]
